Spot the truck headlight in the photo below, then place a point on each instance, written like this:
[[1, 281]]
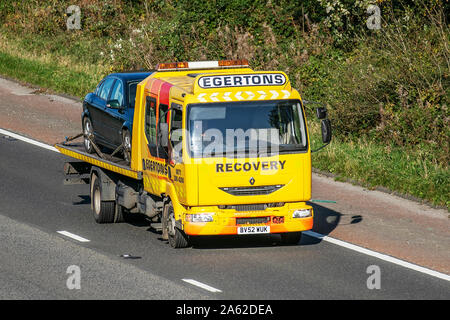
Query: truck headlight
[[303, 213], [203, 217]]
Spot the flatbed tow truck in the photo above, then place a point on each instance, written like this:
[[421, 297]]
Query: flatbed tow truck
[[217, 149]]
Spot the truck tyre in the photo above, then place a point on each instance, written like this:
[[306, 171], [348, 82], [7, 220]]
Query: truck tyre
[[291, 238], [103, 210], [119, 213], [177, 238], [88, 130], [126, 143]]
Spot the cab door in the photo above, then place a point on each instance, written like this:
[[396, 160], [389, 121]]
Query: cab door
[[175, 150]]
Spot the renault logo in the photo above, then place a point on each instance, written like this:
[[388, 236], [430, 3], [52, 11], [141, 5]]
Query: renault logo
[[252, 181]]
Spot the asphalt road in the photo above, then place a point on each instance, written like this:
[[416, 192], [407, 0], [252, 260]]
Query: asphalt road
[[34, 258]]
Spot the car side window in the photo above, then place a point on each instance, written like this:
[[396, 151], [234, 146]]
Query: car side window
[[117, 92], [132, 86], [104, 92]]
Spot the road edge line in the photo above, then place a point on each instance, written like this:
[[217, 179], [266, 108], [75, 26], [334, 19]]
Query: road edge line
[[378, 255], [28, 140]]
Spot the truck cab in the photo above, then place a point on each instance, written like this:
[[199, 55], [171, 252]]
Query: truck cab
[[226, 147]]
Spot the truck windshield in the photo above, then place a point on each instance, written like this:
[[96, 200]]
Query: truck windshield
[[250, 128]]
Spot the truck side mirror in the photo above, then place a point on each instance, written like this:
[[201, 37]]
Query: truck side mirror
[[163, 134], [326, 130], [321, 113]]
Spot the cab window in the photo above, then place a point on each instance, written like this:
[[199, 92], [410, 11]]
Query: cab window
[[150, 124]]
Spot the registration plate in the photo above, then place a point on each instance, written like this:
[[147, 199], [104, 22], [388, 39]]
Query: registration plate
[[253, 229]]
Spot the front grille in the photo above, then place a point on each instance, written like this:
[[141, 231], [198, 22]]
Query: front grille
[[255, 220], [251, 191], [252, 207]]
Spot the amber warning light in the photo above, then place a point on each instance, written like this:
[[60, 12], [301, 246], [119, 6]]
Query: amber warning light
[[202, 65]]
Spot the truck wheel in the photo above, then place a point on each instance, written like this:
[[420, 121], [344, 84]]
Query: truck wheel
[[88, 130], [103, 210], [177, 238], [126, 142], [291, 238], [119, 213]]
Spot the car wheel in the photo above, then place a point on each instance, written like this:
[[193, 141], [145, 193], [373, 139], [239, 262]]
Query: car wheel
[[88, 131], [126, 142]]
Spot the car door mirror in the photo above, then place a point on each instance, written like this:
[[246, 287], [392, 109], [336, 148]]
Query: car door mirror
[[113, 104]]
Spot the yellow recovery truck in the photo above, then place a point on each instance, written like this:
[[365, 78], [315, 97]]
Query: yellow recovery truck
[[217, 149]]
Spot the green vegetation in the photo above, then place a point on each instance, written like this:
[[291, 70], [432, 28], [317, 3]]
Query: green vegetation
[[387, 90]]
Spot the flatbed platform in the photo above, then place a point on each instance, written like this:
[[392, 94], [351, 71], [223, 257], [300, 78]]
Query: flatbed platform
[[115, 164]]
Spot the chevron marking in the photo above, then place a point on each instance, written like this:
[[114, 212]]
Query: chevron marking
[[201, 98], [274, 93], [287, 94], [250, 94], [226, 96], [263, 95], [213, 96]]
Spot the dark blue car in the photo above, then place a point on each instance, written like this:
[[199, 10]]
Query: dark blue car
[[108, 112]]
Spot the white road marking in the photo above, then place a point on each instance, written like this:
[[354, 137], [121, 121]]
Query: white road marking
[[73, 236], [308, 233], [378, 255], [27, 140], [201, 285]]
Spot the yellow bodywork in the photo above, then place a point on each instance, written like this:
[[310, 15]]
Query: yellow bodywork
[[193, 185], [196, 186]]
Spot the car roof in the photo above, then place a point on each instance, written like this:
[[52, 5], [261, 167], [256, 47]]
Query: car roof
[[131, 75]]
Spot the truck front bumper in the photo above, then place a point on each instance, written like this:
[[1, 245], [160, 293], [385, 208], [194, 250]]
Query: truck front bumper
[[228, 222]]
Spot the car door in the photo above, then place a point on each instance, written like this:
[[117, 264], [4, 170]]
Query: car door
[[114, 118], [98, 110]]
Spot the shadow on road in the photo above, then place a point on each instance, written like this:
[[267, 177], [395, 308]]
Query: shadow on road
[[326, 220]]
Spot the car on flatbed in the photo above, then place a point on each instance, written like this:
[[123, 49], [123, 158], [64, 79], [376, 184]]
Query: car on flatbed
[[108, 112]]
